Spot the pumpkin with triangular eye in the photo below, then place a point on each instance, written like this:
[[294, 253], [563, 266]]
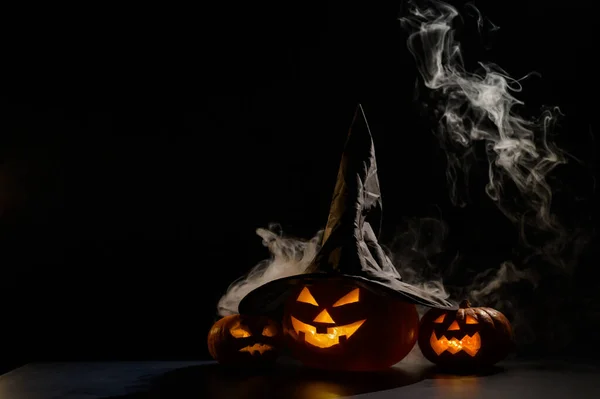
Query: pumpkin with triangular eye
[[336, 324], [243, 339], [464, 338]]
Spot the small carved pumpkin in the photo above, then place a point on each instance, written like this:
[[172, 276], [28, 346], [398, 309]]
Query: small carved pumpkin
[[242, 339], [337, 325], [467, 337]]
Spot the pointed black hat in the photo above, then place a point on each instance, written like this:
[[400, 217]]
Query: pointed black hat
[[349, 248]]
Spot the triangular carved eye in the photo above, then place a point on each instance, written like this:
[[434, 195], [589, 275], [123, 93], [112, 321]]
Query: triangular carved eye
[[471, 320], [350, 297], [306, 297], [269, 331], [440, 319], [238, 331]]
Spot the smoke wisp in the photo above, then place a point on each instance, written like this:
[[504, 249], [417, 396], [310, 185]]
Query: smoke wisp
[[480, 107], [288, 256], [477, 112]]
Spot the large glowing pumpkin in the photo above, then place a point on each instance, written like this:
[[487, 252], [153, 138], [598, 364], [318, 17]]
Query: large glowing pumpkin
[[241, 339], [464, 338], [335, 324]]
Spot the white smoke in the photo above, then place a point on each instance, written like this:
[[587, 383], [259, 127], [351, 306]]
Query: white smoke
[[479, 107], [289, 256], [477, 111], [490, 281], [415, 250]]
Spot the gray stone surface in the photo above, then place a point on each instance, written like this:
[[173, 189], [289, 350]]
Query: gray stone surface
[[172, 380]]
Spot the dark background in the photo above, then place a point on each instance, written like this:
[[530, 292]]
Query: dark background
[[141, 147]]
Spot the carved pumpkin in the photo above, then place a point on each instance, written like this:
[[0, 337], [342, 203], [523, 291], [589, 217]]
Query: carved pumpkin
[[241, 339], [335, 324], [467, 337]]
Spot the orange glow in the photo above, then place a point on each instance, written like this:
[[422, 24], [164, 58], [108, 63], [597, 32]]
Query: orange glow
[[306, 297], [269, 331], [459, 386], [260, 348], [329, 339], [351, 297], [238, 331], [471, 320], [468, 344], [324, 317], [454, 326], [440, 319]]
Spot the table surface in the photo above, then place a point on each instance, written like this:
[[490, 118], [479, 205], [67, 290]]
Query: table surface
[[190, 379]]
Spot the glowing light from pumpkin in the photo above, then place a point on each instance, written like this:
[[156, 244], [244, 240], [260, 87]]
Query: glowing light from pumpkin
[[306, 297], [269, 331], [324, 317], [469, 344], [351, 297], [454, 326], [329, 339], [256, 348], [238, 331]]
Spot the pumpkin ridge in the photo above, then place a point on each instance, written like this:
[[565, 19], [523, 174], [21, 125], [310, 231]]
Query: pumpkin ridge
[[492, 316]]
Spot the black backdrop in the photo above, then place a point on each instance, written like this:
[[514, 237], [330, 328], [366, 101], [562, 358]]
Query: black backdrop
[[142, 146]]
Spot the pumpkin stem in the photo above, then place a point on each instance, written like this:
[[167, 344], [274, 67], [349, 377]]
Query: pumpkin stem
[[464, 304]]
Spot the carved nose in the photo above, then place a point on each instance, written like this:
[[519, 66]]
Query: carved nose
[[324, 317], [453, 326]]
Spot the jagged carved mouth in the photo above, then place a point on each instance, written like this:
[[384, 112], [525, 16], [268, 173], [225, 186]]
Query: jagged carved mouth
[[257, 348], [333, 336], [469, 344]]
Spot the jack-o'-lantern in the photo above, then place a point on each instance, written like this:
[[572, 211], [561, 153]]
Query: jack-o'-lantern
[[335, 324], [350, 308], [464, 338], [242, 339]]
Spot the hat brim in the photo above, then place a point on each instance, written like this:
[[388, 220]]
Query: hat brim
[[270, 297]]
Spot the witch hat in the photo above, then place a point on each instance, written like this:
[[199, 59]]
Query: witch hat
[[349, 248]]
